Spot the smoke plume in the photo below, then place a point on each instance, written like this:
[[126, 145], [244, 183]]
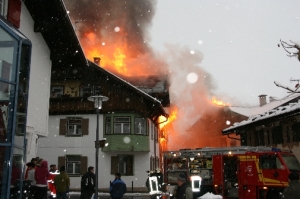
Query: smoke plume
[[118, 30]]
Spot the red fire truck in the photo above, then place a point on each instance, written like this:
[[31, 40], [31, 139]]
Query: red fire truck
[[233, 172]]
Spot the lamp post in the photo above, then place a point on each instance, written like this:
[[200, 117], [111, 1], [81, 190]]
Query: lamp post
[[98, 99]]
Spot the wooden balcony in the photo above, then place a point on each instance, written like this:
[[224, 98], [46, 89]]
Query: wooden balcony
[[70, 105]]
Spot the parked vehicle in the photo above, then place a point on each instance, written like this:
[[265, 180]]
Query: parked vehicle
[[233, 172]]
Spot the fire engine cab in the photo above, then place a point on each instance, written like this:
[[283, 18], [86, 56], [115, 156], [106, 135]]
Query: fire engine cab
[[233, 172]]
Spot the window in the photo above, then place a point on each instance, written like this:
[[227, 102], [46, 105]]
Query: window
[[3, 5], [122, 164], [86, 91], [20, 127], [57, 91], [75, 164], [140, 126], [121, 125], [107, 125], [269, 162], [74, 126]]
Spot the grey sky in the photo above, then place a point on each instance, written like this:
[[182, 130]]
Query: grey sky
[[239, 42]]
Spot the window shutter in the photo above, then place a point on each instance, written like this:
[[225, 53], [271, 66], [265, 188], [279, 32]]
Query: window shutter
[[129, 163], [61, 161], [63, 126], [14, 12], [83, 164], [85, 126], [114, 165]]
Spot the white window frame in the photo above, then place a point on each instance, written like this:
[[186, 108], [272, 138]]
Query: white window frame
[[140, 128], [57, 91], [74, 126], [73, 163], [121, 123]]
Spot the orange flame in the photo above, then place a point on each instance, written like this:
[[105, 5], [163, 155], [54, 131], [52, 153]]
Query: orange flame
[[172, 117], [116, 56], [218, 102]]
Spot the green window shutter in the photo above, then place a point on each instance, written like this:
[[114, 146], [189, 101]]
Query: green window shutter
[[63, 126], [83, 164], [61, 161], [85, 126], [114, 165]]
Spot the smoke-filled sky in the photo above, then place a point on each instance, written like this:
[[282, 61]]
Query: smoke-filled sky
[[238, 41], [226, 49]]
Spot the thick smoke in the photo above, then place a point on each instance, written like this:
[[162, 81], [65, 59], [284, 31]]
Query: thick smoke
[[192, 98]]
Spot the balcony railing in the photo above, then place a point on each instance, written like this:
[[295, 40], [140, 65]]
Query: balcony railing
[[70, 105]]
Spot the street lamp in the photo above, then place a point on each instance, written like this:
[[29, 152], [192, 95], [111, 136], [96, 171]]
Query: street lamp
[[98, 99]]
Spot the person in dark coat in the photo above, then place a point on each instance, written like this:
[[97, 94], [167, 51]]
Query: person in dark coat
[[293, 190], [88, 184], [183, 190], [117, 187]]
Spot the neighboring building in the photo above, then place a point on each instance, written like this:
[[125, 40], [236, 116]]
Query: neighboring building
[[128, 121], [25, 61], [33, 39], [276, 124]]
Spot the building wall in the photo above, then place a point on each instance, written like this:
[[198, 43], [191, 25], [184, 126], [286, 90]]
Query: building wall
[[53, 146], [39, 84]]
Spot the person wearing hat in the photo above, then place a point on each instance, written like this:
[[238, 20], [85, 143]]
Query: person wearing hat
[[182, 190], [293, 190]]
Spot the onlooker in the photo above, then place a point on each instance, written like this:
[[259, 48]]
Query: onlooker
[[30, 176], [293, 190], [117, 187], [41, 175], [33, 160], [183, 190], [88, 184], [62, 183]]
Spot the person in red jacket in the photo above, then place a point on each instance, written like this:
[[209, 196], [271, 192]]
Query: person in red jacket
[[41, 176]]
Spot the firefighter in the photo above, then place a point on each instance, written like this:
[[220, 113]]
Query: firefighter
[[53, 172]]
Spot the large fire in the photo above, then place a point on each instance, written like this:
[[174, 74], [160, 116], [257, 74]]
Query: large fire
[[117, 32]]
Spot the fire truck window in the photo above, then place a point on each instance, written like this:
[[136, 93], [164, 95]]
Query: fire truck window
[[268, 162]]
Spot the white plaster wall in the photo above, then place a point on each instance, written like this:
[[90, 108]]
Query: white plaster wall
[[53, 146], [40, 73]]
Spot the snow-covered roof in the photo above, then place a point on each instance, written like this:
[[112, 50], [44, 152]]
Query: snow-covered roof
[[267, 111], [251, 111]]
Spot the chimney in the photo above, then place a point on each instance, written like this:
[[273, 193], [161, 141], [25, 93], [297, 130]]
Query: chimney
[[262, 100], [97, 60]]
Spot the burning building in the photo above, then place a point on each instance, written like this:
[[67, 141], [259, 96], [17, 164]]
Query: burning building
[[116, 32]]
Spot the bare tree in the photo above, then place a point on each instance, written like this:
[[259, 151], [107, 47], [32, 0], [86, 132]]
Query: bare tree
[[290, 47]]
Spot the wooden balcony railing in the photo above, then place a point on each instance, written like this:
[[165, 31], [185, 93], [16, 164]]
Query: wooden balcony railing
[[70, 105]]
